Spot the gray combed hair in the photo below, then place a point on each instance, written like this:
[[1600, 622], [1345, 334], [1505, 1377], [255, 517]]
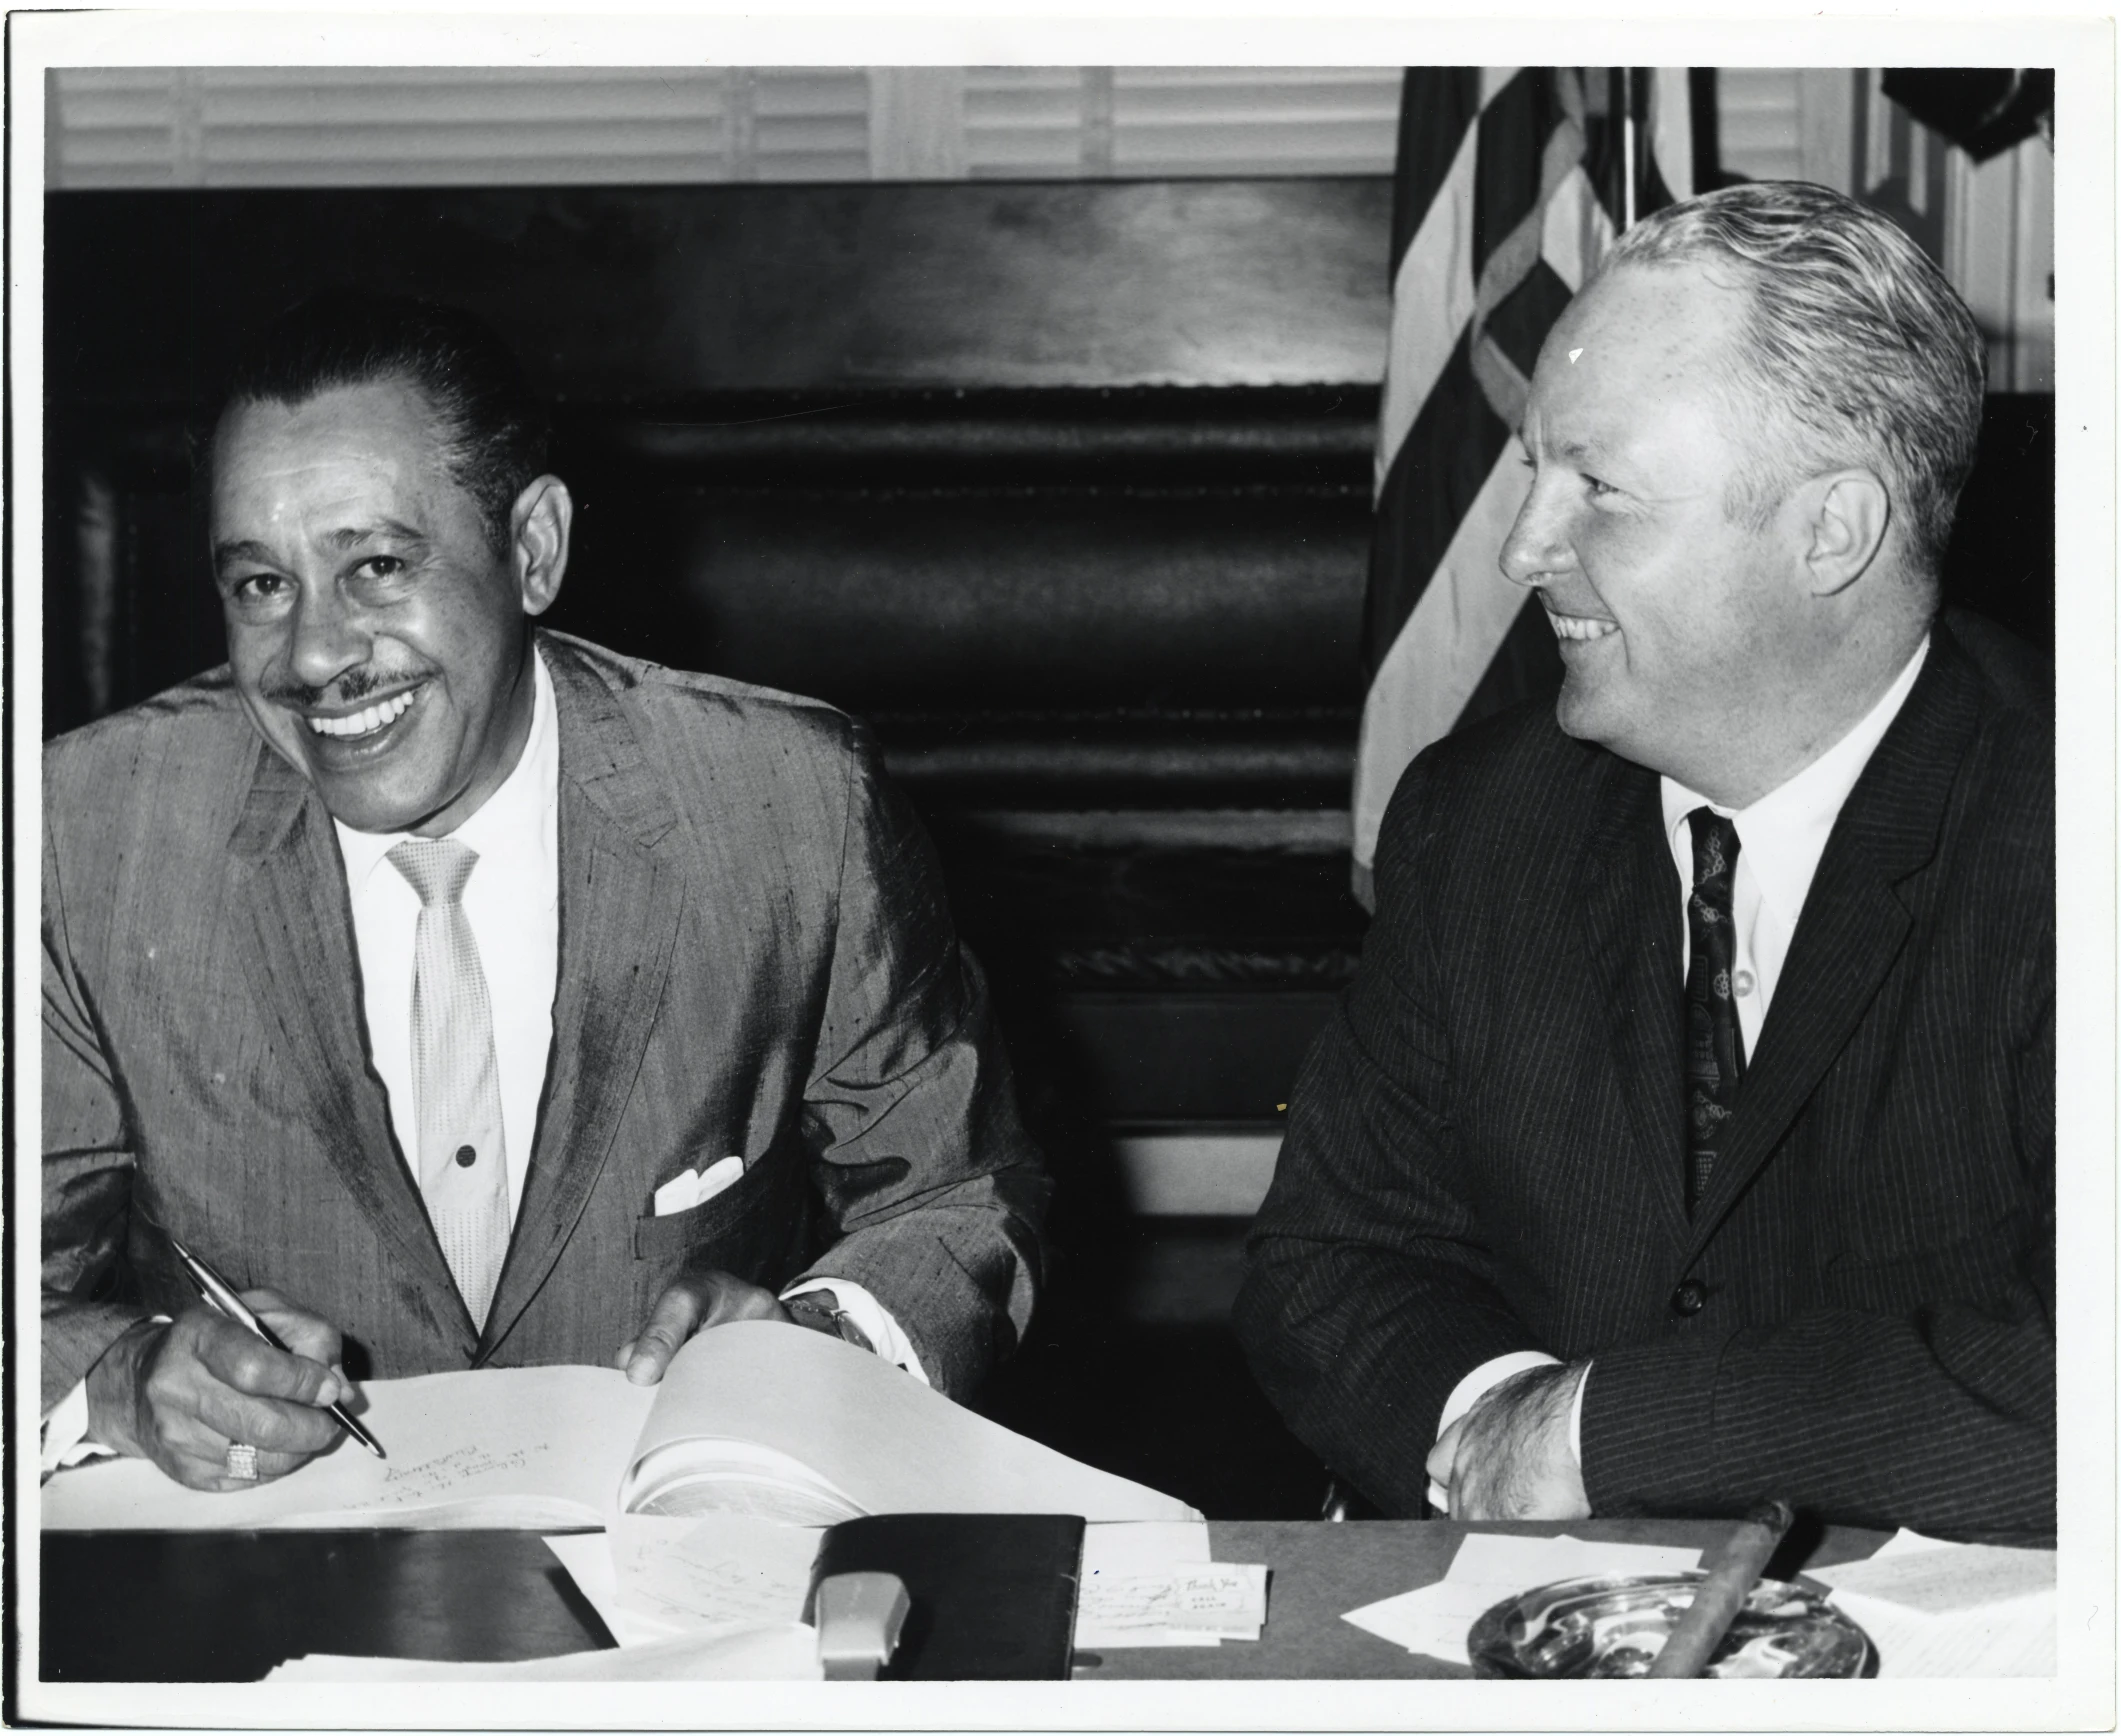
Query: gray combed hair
[[1853, 333]]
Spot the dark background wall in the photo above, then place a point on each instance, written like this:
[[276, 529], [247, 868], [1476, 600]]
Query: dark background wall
[[1065, 486]]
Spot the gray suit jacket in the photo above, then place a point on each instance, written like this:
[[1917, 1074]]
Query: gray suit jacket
[[755, 958]]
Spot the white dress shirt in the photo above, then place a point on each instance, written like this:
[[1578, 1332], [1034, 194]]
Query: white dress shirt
[[512, 901], [1781, 837]]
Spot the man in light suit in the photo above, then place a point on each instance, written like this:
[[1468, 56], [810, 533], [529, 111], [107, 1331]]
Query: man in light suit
[[470, 995], [1688, 1137]]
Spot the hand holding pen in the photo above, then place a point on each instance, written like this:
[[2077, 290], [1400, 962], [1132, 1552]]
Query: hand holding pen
[[219, 1295], [186, 1393]]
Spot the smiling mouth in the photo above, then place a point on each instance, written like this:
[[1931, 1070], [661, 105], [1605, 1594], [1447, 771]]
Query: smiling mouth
[[1581, 627], [369, 720]]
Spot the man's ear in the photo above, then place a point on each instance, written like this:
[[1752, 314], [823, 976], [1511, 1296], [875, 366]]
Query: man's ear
[[1850, 512], [543, 519]]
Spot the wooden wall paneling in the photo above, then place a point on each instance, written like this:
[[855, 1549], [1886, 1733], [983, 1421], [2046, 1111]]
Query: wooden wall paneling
[[632, 295], [1000, 599]]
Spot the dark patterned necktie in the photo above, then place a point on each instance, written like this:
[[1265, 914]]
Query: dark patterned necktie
[[1715, 1048]]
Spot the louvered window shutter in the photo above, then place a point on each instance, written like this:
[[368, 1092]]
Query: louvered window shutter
[[439, 126], [442, 126]]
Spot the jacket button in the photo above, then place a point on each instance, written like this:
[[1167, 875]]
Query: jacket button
[[1690, 1298], [466, 1157]]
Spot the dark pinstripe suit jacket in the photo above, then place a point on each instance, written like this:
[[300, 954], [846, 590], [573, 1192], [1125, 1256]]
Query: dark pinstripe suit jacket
[[755, 958], [1485, 1150]]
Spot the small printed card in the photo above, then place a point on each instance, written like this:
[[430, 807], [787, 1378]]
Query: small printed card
[[1199, 1603]]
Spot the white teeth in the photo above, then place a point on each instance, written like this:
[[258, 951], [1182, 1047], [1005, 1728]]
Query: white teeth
[[1581, 626], [367, 720]]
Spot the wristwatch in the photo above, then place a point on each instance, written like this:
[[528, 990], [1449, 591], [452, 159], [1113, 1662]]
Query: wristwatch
[[820, 1310]]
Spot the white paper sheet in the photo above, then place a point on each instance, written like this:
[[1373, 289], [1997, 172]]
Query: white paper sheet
[[1204, 1603], [533, 1447], [1142, 1546], [1434, 1619], [587, 1557], [547, 1448], [697, 1574], [892, 1443], [1951, 1609], [783, 1653], [1948, 1579], [1120, 1551]]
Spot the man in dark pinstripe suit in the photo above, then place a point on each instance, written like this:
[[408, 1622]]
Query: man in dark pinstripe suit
[[1688, 1137]]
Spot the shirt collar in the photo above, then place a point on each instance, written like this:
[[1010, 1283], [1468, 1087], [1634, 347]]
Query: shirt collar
[[510, 820], [1784, 833]]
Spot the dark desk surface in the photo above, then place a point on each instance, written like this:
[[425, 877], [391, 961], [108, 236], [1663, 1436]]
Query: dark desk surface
[[1318, 1572], [228, 1606]]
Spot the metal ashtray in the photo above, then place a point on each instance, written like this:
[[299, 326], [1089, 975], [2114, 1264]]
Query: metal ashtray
[[1614, 1625]]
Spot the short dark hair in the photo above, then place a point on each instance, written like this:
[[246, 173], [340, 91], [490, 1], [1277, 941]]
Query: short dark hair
[[1853, 333], [494, 433]]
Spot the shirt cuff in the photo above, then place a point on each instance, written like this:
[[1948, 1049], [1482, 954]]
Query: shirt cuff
[[1471, 1390], [64, 1440], [872, 1317], [1576, 1419]]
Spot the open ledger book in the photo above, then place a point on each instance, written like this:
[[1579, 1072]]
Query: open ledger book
[[757, 1418]]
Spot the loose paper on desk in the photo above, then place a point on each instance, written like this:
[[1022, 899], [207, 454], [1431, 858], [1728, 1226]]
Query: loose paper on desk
[[1143, 1584], [756, 1417], [1180, 1606], [1152, 1584], [783, 1653], [650, 1577], [1951, 1609], [1434, 1619]]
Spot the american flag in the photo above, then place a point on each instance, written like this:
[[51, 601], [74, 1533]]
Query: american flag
[[1509, 191]]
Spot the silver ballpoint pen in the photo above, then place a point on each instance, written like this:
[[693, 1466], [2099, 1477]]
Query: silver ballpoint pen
[[218, 1295]]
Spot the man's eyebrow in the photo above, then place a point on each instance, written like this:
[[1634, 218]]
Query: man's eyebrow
[[244, 550], [352, 536], [1575, 450]]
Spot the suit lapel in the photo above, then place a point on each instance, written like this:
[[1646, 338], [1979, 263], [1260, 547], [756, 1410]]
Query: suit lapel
[[1630, 932], [1854, 922], [295, 936], [621, 900]]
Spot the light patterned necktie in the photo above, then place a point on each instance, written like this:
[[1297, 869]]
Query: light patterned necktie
[[1715, 1046], [456, 1081]]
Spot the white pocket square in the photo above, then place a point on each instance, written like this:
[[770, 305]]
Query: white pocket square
[[694, 1187]]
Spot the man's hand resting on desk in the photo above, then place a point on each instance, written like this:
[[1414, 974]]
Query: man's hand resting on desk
[[1509, 1457], [180, 1392], [695, 1302]]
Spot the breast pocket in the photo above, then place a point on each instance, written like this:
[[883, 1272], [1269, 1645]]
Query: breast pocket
[[659, 1236], [754, 1228]]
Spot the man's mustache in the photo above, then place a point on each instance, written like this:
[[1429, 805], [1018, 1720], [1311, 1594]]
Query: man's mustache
[[348, 689]]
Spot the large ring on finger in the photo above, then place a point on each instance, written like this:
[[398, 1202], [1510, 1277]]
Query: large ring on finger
[[243, 1461]]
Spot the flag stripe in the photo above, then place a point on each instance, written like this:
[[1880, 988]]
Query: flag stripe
[[1527, 661], [1437, 106], [1511, 142], [1432, 299], [1577, 231], [1459, 622], [1505, 203], [1440, 467]]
